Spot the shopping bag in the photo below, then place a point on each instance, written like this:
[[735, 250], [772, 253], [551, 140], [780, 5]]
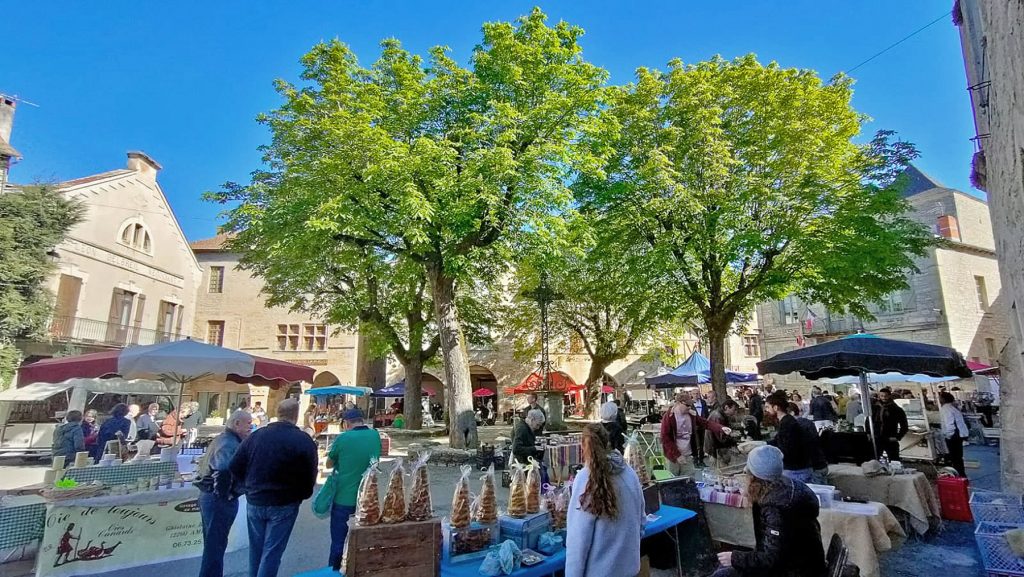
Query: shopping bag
[[323, 501]]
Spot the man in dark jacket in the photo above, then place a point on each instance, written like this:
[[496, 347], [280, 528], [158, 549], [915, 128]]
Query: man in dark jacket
[[819, 463], [218, 498], [890, 425], [821, 407], [524, 437], [791, 439], [786, 525], [755, 406], [68, 438], [718, 444], [277, 466]]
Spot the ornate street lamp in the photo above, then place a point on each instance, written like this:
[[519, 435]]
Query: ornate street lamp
[[544, 295]]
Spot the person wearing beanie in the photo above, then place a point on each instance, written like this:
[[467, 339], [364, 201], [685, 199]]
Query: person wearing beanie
[[785, 524]]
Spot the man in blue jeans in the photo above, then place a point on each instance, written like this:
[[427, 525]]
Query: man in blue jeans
[[350, 456], [218, 499], [277, 466]]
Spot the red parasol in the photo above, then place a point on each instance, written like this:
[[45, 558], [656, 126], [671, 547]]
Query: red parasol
[[482, 392]]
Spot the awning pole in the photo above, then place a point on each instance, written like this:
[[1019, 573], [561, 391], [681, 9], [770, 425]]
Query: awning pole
[[865, 399]]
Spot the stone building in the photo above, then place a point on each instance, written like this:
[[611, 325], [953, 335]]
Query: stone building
[[125, 274], [7, 152], [992, 37], [954, 299], [231, 312]]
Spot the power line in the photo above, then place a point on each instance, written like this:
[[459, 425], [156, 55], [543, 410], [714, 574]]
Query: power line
[[901, 41]]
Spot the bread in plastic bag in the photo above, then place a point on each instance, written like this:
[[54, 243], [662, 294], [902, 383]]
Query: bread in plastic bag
[[517, 492], [368, 502], [485, 507], [533, 487], [394, 499], [461, 501], [635, 458], [420, 507]]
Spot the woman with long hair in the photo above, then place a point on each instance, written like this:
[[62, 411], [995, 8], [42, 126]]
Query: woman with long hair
[[785, 524], [606, 513]]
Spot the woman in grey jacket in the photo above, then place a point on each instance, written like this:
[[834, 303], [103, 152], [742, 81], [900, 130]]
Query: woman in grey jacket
[[606, 513]]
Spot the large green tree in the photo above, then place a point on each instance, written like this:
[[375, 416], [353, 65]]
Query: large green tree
[[744, 183], [32, 222], [610, 301], [432, 162]]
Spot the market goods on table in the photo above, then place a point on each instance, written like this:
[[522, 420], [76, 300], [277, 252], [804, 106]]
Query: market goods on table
[[517, 493], [368, 505], [635, 458], [420, 508], [486, 505], [461, 509], [394, 499], [533, 487]]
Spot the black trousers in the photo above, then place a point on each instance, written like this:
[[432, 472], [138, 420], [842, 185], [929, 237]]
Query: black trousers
[[956, 453], [890, 448]]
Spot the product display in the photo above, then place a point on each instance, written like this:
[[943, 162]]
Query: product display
[[533, 487], [635, 458], [420, 508], [486, 505], [517, 492], [556, 502], [461, 500], [368, 505], [394, 499]]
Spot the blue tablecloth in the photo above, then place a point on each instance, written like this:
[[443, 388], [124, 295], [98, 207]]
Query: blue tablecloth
[[668, 517]]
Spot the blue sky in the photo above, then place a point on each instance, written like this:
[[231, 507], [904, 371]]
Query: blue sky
[[184, 81]]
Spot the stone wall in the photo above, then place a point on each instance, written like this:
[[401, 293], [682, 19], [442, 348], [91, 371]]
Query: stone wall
[[992, 35]]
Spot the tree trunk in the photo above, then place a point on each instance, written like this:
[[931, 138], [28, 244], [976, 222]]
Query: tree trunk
[[414, 394], [595, 383], [455, 359], [717, 342]]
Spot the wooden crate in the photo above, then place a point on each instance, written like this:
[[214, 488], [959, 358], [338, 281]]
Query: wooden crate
[[411, 549]]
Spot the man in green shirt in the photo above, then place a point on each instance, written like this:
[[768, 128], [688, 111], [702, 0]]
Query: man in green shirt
[[349, 457]]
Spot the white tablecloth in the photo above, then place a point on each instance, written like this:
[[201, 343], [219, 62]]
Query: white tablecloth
[[911, 493]]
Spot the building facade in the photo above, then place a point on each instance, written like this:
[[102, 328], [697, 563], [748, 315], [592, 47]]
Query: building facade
[[992, 37], [955, 299], [125, 274], [232, 312]]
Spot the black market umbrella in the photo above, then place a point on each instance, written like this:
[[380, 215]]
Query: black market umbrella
[[865, 353]]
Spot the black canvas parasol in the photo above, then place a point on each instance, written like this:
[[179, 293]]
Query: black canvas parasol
[[862, 354]]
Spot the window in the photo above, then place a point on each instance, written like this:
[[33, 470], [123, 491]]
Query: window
[[288, 337], [168, 321], [135, 235], [990, 350], [789, 311], [979, 287], [216, 279], [314, 337], [751, 347], [215, 333], [892, 303]]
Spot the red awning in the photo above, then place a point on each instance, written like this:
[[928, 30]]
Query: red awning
[[560, 382]]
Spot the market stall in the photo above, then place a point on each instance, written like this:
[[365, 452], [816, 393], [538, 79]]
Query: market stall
[[910, 492], [328, 405]]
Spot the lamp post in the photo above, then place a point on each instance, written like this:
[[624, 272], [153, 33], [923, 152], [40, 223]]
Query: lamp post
[[544, 295]]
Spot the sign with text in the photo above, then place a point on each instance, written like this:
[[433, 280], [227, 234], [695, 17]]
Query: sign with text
[[83, 540]]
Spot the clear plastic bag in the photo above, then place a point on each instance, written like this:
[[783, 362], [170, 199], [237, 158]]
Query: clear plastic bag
[[394, 500], [517, 492], [635, 458], [420, 507], [368, 503], [485, 507], [556, 503], [533, 487], [502, 561], [461, 501]]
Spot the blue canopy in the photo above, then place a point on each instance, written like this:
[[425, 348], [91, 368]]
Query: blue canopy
[[339, 390], [395, 390], [695, 370]]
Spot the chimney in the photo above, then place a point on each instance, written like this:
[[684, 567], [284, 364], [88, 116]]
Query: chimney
[[7, 105], [143, 164], [949, 227]]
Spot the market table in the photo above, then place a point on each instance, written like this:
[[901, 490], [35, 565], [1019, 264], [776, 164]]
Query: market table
[[911, 493], [668, 518], [561, 458], [21, 520], [867, 529]]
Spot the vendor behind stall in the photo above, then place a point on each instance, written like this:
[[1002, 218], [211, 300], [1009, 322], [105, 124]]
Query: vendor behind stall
[[524, 437], [718, 444], [792, 439]]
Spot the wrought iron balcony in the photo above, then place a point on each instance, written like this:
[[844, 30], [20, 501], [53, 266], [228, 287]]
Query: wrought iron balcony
[[91, 331]]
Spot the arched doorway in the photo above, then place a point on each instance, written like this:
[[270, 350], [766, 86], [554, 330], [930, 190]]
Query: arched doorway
[[484, 382], [434, 385], [325, 379]]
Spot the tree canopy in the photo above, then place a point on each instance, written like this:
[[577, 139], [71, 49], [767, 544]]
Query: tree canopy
[[430, 162], [744, 183], [32, 222]]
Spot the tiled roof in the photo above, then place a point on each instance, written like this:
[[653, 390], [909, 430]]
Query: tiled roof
[[94, 178], [212, 244], [919, 182]]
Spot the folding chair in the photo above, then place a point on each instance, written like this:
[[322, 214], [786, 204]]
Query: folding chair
[[836, 557]]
